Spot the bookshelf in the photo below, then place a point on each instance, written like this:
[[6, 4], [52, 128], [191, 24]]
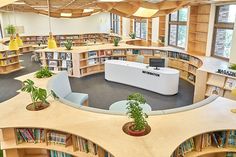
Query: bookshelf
[[198, 29], [131, 25], [218, 143], [21, 142], [9, 61], [213, 83], [162, 26], [149, 32], [78, 40]]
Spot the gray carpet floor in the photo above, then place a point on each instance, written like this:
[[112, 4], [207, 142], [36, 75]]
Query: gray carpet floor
[[101, 92]]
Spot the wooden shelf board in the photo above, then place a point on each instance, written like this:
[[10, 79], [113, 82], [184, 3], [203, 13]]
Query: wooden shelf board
[[11, 56], [7, 72], [89, 66], [10, 64]]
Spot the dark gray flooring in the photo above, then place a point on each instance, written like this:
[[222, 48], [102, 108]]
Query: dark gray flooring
[[8, 85], [101, 92]]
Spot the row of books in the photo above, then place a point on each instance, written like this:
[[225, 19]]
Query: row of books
[[58, 55], [86, 146], [69, 70], [54, 153], [33, 135], [62, 64], [7, 61], [7, 53], [230, 83], [185, 147], [58, 138]]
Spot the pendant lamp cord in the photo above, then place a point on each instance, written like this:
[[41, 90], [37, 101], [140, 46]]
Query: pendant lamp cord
[[49, 18], [14, 15]]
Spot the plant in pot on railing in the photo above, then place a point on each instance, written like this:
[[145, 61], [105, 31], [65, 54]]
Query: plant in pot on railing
[[132, 35], [232, 66], [116, 41], [43, 73], [38, 96], [68, 44], [138, 126]]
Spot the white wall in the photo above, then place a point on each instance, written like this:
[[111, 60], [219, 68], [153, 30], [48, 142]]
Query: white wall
[[233, 47], [36, 24]]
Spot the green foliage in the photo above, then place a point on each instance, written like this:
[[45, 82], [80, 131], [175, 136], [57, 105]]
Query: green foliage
[[43, 73], [11, 29], [132, 35], [233, 66], [116, 41], [136, 112], [37, 94], [1, 153], [68, 44]]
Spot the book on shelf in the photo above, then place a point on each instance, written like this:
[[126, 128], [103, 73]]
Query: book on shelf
[[62, 56], [92, 61], [49, 55], [87, 146], [30, 135], [230, 84], [52, 63], [53, 153], [184, 57], [3, 55], [55, 55], [68, 56], [185, 147], [92, 54], [232, 138], [59, 138]]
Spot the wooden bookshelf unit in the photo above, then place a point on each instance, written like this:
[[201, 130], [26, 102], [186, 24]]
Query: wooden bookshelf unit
[[162, 26], [149, 32], [9, 61], [211, 144], [209, 83], [198, 29], [21, 142]]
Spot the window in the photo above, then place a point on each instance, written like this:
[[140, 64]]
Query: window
[[140, 28], [115, 23], [1, 35], [223, 30], [178, 28]]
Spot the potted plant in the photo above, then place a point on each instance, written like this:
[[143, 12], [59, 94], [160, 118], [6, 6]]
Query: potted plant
[[11, 30], [38, 96], [138, 126], [232, 66], [116, 41], [68, 44], [43, 73], [132, 35]]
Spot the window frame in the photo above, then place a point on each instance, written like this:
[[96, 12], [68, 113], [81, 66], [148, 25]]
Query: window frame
[[140, 22], [177, 23], [115, 23], [220, 25]]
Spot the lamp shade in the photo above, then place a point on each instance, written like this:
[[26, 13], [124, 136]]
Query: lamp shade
[[51, 43], [19, 41], [13, 44]]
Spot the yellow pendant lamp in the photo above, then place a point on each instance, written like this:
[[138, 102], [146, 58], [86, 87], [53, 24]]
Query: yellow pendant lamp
[[233, 92], [18, 40], [13, 44], [51, 41]]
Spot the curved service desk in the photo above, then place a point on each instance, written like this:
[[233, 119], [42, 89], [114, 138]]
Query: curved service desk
[[164, 81]]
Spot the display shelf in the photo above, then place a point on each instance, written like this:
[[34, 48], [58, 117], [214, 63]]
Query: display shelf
[[162, 25], [198, 29], [30, 138], [216, 80], [149, 32]]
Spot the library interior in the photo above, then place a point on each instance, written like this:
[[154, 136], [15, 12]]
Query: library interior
[[117, 78]]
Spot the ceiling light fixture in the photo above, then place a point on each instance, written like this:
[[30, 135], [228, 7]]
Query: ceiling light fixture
[[88, 10], [145, 12], [66, 14]]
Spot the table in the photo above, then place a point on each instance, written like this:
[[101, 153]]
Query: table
[[120, 106], [163, 81]]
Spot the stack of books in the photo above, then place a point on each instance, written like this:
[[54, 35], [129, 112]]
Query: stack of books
[[59, 138], [86, 146]]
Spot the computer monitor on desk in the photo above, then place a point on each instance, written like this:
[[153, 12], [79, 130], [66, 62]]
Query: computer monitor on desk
[[157, 63]]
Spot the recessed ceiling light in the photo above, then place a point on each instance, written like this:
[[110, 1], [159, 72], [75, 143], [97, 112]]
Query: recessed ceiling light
[[88, 10], [145, 12], [66, 14]]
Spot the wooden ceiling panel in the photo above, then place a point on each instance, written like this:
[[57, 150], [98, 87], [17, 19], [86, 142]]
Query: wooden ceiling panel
[[126, 8]]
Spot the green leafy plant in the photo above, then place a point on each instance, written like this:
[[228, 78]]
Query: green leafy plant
[[136, 112], [116, 41], [11, 30], [43, 73], [68, 44], [132, 35], [38, 95], [232, 66]]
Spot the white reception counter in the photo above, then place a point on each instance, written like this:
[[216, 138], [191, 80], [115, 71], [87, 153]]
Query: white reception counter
[[164, 81]]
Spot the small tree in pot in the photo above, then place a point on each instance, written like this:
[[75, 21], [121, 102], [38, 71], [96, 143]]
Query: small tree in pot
[[38, 96], [68, 44], [138, 126], [116, 41]]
